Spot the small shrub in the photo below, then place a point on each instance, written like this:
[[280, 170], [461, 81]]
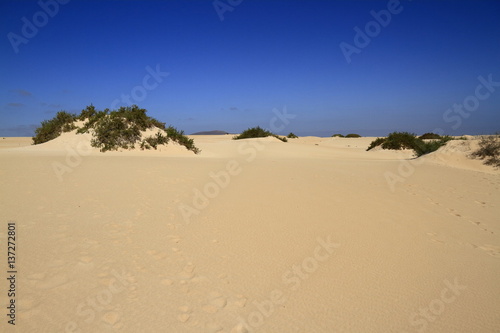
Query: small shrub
[[351, 135], [405, 140], [51, 129], [180, 138], [257, 132], [254, 132], [399, 140], [87, 113], [292, 136], [154, 141], [429, 136], [489, 150], [375, 143], [337, 136], [421, 147]]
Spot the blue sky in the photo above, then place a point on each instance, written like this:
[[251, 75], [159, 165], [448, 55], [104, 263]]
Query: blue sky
[[264, 55]]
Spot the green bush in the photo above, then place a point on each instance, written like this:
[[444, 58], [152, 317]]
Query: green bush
[[292, 136], [337, 136], [375, 143], [257, 132], [92, 116], [113, 130], [179, 137], [87, 113], [51, 129], [254, 132], [399, 140], [489, 150], [429, 136], [351, 135], [421, 147], [154, 142], [405, 140]]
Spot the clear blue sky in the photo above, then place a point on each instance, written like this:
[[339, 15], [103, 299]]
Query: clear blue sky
[[230, 74]]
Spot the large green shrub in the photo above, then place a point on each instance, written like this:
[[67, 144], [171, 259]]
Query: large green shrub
[[405, 140], [352, 135], [113, 130], [337, 136], [292, 136], [51, 129]]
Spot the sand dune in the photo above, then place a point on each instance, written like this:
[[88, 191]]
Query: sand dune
[[257, 235]]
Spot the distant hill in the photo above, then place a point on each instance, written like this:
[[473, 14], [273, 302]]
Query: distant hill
[[210, 133]]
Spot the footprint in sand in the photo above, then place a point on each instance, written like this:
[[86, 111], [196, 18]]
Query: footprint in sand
[[241, 301], [213, 328], [479, 225], [240, 328], [111, 318], [174, 238], [453, 212], [167, 282], [158, 255], [215, 302], [187, 272], [185, 313], [432, 235], [492, 250]]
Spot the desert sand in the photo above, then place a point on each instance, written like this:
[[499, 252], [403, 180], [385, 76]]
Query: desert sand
[[257, 235]]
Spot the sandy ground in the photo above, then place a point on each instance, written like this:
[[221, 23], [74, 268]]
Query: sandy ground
[[313, 235]]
